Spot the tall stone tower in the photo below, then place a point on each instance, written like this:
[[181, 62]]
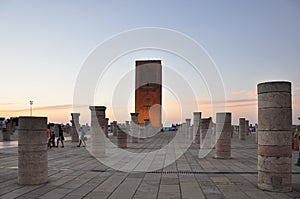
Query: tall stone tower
[[148, 91]]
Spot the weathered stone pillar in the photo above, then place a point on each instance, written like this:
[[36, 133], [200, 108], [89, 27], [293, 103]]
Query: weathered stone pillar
[[242, 129], [134, 128], [122, 138], [213, 135], [146, 130], [256, 133], [32, 150], [106, 127], [274, 141], [223, 135], [196, 127], [98, 117], [188, 127], [188, 122], [205, 133], [97, 139], [247, 127], [6, 132], [75, 126], [114, 128]]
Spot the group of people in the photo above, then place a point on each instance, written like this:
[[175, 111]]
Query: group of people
[[61, 138], [51, 137]]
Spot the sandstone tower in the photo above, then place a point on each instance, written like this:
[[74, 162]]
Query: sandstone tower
[[148, 91]]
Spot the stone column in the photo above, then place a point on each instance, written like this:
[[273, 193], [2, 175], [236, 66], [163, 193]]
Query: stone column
[[247, 127], [188, 122], [205, 133], [32, 150], [114, 128], [106, 127], [122, 138], [98, 117], [188, 127], [134, 127], [6, 132], [242, 129], [145, 131], [274, 141], [97, 139], [196, 127], [223, 135], [256, 133], [75, 126]]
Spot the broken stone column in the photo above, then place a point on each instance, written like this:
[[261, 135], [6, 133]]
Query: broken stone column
[[134, 128], [242, 129], [274, 141], [114, 128], [106, 127], [247, 131], [206, 133], [223, 135], [97, 139], [196, 127], [188, 122], [188, 127], [32, 150], [256, 133], [122, 138], [7, 131], [213, 135], [75, 126], [146, 129]]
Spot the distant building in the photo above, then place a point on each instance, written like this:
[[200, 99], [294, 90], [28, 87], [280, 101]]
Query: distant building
[[148, 91]]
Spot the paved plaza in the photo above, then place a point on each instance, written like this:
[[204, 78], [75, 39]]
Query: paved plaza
[[74, 173]]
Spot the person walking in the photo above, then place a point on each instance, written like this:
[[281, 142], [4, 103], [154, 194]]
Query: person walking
[[298, 161], [61, 137], [52, 136], [82, 137], [49, 136], [298, 138]]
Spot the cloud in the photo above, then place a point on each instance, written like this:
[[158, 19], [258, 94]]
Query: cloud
[[252, 94], [238, 92], [46, 108], [228, 101], [6, 103], [242, 105]]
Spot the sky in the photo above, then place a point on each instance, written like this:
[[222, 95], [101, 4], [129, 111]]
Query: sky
[[44, 44]]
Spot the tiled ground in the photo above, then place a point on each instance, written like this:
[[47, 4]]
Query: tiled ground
[[74, 173]]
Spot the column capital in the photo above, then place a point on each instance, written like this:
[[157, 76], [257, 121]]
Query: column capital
[[75, 114], [97, 108]]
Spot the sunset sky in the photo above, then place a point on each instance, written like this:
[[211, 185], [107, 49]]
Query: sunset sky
[[43, 45]]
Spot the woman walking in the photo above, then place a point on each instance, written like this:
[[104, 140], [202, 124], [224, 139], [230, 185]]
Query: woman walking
[[60, 136]]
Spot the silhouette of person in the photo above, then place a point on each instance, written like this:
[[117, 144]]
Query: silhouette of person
[[61, 137]]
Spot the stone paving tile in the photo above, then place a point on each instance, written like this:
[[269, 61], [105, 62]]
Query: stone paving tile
[[56, 193], [231, 191], [42, 189], [74, 173], [17, 192], [149, 186], [169, 191], [189, 187], [257, 194], [127, 188]]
